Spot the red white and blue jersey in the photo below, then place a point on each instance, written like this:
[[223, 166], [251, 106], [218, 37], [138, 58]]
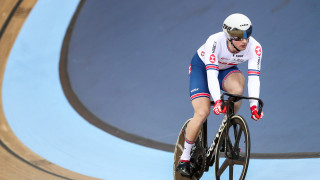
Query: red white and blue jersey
[[216, 56]]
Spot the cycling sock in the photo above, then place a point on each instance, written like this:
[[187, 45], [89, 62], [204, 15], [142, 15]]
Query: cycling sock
[[185, 157]]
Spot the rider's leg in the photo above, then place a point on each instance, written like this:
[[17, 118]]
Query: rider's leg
[[234, 84], [201, 108], [200, 98]]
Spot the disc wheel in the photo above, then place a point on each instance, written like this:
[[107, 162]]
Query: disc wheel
[[232, 155], [197, 155]]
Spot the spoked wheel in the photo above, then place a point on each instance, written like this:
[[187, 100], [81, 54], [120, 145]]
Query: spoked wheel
[[232, 155], [198, 155]]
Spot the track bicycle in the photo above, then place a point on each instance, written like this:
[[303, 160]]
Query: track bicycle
[[230, 148]]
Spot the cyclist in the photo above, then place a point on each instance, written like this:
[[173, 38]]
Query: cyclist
[[214, 68]]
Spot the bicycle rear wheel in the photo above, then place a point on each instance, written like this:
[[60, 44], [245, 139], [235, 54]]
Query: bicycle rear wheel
[[198, 158], [233, 153]]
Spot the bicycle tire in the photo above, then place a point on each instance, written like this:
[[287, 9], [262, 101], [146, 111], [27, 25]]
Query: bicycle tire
[[240, 157], [179, 149]]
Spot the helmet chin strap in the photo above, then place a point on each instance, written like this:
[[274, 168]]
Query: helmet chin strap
[[234, 45]]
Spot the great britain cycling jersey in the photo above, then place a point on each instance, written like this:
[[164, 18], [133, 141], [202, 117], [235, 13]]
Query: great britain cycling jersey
[[213, 62]]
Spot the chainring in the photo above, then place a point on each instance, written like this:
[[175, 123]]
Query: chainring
[[198, 162]]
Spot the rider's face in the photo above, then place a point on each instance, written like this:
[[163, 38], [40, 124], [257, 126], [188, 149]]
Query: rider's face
[[242, 44]]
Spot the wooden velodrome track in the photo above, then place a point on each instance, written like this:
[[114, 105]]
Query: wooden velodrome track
[[16, 160]]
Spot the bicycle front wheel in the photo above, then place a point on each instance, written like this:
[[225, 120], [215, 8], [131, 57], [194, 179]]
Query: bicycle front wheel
[[233, 150]]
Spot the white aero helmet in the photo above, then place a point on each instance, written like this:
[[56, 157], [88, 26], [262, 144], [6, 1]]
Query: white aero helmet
[[237, 26]]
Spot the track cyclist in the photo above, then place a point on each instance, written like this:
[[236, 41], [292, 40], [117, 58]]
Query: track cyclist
[[214, 68]]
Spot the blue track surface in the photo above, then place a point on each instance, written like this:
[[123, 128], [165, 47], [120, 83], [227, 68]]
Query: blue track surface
[[42, 118], [128, 65]]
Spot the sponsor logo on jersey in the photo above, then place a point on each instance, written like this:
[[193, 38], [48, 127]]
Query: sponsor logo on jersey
[[232, 61], [258, 63], [239, 60], [212, 58], [258, 50], [202, 53], [223, 58], [226, 63], [214, 47]]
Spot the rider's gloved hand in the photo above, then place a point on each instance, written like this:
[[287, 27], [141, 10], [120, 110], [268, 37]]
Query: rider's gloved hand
[[254, 112], [217, 107]]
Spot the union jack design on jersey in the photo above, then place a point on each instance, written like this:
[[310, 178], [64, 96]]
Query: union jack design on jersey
[[253, 72], [212, 66]]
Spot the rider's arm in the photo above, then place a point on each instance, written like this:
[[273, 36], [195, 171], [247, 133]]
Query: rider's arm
[[212, 67], [213, 84], [254, 66]]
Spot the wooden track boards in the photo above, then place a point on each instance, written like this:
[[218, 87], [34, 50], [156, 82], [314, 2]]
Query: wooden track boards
[[16, 160]]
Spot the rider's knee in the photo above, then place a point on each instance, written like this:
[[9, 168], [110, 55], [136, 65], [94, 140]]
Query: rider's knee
[[202, 113], [237, 90]]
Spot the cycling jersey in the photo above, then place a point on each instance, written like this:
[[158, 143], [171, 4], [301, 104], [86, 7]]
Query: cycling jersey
[[216, 56]]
